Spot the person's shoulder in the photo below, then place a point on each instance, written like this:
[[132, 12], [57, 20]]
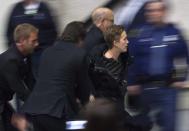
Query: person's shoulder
[[8, 58], [99, 49], [134, 31], [51, 50], [93, 28], [19, 3], [172, 27], [44, 5], [8, 54], [94, 31], [17, 6]]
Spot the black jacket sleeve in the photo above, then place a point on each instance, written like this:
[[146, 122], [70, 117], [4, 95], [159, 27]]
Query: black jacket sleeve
[[14, 81], [84, 83]]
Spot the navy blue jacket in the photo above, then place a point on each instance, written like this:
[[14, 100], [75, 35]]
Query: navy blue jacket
[[61, 81], [154, 50]]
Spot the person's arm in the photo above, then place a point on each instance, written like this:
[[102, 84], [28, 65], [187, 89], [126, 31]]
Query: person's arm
[[184, 48], [180, 51], [14, 81], [84, 83]]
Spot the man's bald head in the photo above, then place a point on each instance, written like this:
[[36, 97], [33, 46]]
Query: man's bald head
[[102, 17]]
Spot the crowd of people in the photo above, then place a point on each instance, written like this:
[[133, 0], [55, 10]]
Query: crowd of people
[[85, 75]]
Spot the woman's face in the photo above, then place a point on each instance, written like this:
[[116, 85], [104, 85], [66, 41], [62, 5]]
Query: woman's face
[[122, 43]]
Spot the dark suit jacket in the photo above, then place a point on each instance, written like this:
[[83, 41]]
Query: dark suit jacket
[[63, 77], [13, 72], [93, 38]]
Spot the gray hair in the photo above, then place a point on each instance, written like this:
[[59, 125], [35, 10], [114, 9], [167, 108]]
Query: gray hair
[[99, 14]]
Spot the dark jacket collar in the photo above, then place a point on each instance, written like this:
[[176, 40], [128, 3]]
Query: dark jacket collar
[[98, 32]]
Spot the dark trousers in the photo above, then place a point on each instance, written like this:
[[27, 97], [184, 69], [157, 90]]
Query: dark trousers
[[1, 123], [163, 100], [47, 123]]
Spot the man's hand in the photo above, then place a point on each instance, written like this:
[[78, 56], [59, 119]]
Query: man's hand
[[19, 122], [179, 84], [91, 98], [134, 89]]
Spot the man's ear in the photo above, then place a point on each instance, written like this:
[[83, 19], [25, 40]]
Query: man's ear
[[100, 23], [114, 43], [19, 44], [21, 41]]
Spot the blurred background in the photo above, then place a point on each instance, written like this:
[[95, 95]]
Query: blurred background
[[125, 11], [65, 11]]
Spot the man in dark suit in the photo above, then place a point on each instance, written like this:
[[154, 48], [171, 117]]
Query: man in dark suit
[[102, 19], [37, 13], [63, 78], [14, 70]]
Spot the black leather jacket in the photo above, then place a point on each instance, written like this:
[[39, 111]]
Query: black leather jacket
[[108, 75]]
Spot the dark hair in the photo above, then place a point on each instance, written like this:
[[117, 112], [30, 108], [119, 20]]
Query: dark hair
[[74, 32], [102, 115], [113, 33], [23, 31]]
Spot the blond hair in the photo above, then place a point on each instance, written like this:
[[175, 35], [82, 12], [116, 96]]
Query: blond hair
[[24, 31]]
